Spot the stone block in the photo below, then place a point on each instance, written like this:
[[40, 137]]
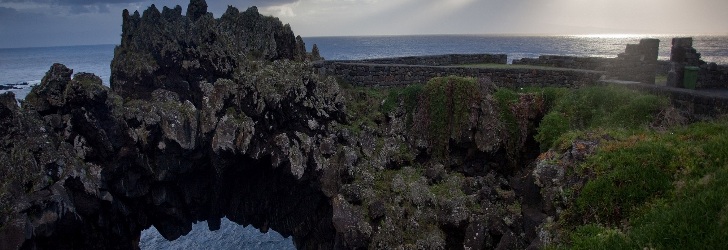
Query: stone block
[[682, 42], [650, 49]]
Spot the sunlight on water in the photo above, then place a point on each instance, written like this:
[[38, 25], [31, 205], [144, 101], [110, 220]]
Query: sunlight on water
[[618, 36]]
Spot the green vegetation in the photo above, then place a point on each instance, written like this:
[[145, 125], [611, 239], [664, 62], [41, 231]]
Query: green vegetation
[[363, 107], [656, 190], [514, 114], [368, 107], [606, 107], [445, 109], [645, 189], [642, 189], [410, 95], [442, 107]]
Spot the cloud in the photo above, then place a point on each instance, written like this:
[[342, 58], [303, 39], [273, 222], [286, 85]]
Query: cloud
[[71, 2], [266, 3], [64, 7]]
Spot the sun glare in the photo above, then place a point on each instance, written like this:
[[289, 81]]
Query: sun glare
[[611, 36]]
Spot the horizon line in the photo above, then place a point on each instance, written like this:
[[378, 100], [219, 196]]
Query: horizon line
[[595, 35]]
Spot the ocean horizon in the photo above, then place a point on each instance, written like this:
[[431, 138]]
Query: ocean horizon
[[28, 65]]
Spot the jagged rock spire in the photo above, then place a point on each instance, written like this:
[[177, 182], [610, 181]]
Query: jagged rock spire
[[196, 9]]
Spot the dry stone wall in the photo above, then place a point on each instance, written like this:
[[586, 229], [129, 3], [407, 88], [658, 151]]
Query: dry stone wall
[[436, 60], [571, 62], [637, 63], [392, 75], [713, 76], [701, 104]]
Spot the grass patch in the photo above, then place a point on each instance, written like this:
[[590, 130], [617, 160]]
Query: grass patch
[[409, 95], [613, 107], [656, 190], [363, 106]]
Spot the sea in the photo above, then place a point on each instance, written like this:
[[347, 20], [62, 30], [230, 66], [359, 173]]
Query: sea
[[22, 68]]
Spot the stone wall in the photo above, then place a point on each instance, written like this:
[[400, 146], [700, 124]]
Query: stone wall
[[682, 54], [638, 62], [391, 75], [636, 71], [572, 62], [713, 76], [700, 104], [436, 60]]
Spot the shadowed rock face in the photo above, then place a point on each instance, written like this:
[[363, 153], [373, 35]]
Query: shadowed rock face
[[175, 52], [88, 170]]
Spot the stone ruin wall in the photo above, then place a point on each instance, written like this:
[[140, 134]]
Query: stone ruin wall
[[571, 62], [394, 75], [639, 63], [682, 54], [713, 76], [435, 60]]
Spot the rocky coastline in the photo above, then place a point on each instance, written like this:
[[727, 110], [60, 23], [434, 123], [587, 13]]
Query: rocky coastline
[[209, 118], [12, 86]]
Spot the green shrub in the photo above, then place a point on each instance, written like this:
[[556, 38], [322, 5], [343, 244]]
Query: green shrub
[[626, 178], [594, 237], [695, 219], [505, 99], [550, 95], [444, 109], [598, 107], [410, 95], [655, 190], [553, 125]]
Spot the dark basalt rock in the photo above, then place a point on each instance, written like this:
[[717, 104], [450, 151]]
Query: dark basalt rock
[[179, 53], [209, 118], [88, 160]]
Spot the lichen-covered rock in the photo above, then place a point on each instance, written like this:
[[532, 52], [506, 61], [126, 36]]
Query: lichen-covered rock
[[52, 87], [179, 53]]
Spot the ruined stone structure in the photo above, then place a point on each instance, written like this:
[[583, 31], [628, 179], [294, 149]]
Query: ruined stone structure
[[437, 60], [391, 75], [638, 62], [682, 54], [699, 104], [713, 76], [571, 62]]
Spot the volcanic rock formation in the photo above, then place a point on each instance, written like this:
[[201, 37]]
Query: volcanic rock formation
[[209, 118]]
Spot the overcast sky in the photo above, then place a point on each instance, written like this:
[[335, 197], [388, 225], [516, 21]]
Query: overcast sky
[[32, 23]]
